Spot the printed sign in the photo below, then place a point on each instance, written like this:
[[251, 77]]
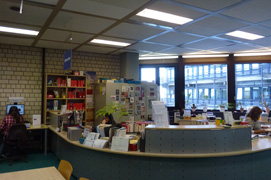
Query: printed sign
[[68, 59]]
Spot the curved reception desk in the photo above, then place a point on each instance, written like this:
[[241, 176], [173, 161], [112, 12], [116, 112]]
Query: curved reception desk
[[176, 152]]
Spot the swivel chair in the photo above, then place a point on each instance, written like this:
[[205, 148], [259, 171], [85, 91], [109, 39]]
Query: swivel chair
[[15, 142], [65, 169]]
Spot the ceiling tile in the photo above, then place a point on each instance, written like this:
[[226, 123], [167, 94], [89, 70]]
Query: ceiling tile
[[51, 2], [254, 11], [212, 26], [238, 47], [31, 15], [147, 46], [96, 49], [207, 44], [113, 9], [266, 23], [173, 38], [178, 51], [264, 42], [58, 35], [80, 23], [55, 45], [257, 29], [16, 41], [212, 5], [133, 31]]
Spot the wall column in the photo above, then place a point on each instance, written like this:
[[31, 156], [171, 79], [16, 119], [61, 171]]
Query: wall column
[[129, 65]]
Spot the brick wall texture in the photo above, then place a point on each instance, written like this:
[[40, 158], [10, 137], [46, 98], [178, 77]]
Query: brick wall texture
[[21, 73]]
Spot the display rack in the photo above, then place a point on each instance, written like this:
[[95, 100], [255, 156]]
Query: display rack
[[61, 90]]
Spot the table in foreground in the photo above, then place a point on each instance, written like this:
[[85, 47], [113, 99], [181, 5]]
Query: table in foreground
[[42, 174]]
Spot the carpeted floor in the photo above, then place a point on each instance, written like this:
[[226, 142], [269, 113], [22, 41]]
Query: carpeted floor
[[35, 160]]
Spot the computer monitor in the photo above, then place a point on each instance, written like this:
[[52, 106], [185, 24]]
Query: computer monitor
[[19, 106]]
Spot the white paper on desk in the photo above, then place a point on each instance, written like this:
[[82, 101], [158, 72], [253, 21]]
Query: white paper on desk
[[93, 136], [36, 119], [99, 143], [88, 143], [120, 143]]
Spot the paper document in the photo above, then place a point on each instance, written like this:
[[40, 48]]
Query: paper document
[[99, 143], [120, 143], [36, 119]]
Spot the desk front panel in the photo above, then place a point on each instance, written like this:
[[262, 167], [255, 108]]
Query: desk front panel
[[100, 165]]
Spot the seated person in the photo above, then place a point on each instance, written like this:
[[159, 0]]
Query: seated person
[[108, 119], [252, 118], [12, 118]]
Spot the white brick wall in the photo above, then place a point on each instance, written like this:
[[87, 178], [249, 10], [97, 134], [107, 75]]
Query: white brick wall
[[21, 72], [18, 70]]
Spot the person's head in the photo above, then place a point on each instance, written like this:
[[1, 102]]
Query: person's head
[[254, 113], [14, 112], [108, 118]]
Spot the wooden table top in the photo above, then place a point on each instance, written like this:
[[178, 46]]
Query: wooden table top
[[34, 174]]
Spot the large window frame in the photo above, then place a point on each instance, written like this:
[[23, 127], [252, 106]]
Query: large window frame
[[157, 80]]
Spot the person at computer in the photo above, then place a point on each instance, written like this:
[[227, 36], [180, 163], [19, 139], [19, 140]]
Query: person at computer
[[12, 118], [252, 118]]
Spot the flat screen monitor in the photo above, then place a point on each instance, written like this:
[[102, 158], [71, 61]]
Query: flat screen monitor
[[19, 106]]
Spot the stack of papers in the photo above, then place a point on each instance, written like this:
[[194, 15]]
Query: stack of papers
[[93, 141]]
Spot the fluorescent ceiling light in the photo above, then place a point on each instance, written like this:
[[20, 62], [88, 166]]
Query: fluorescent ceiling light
[[114, 43], [253, 54], [205, 55], [244, 35], [18, 31], [158, 57], [162, 16]]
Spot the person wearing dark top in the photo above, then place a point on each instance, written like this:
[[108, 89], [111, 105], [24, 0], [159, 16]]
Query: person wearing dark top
[[12, 118]]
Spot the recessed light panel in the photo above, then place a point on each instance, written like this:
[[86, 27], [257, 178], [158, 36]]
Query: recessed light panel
[[244, 35], [18, 31], [205, 55], [162, 16], [113, 43]]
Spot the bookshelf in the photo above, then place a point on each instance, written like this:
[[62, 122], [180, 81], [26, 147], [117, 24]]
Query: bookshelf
[[61, 90]]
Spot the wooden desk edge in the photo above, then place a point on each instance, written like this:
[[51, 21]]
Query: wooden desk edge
[[136, 153]]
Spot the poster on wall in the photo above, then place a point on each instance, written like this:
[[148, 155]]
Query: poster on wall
[[68, 60]]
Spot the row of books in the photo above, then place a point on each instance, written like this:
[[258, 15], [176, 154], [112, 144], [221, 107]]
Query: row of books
[[136, 126]]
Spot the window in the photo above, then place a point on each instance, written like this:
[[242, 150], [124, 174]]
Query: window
[[209, 90], [165, 81], [148, 74], [253, 84]]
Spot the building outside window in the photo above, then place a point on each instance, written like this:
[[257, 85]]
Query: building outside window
[[165, 80], [253, 84], [207, 87]]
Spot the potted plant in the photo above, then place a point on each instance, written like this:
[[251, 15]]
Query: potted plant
[[222, 107], [112, 108]]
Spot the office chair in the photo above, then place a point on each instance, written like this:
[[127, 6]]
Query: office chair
[[65, 169], [15, 142]]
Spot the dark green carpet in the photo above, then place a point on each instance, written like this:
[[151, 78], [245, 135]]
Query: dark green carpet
[[35, 160]]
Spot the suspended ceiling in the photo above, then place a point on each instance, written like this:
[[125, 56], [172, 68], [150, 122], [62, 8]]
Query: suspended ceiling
[[83, 20]]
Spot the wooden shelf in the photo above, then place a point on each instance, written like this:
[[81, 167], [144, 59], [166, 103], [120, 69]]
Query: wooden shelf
[[56, 98], [76, 98], [61, 90], [75, 87], [56, 86]]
